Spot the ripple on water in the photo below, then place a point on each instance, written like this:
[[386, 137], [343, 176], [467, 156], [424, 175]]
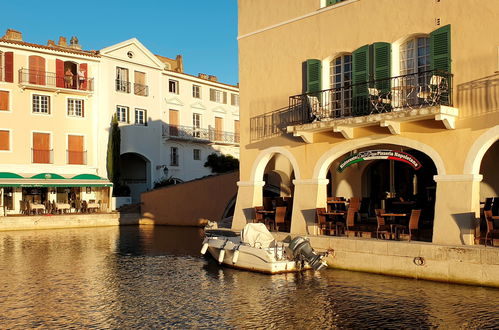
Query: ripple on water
[[140, 277]]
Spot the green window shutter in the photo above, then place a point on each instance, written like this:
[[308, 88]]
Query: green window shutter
[[314, 70], [330, 2], [382, 65], [440, 49], [360, 77]]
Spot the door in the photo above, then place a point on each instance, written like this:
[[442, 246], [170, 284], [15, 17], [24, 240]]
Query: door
[[41, 148], [75, 150], [173, 122], [218, 128]]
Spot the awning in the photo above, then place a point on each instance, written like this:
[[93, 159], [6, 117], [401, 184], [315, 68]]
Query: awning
[[8, 179]]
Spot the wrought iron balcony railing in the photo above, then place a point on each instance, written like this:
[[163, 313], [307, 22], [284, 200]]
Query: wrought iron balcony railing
[[139, 89], [42, 156], [51, 79], [202, 135], [122, 86], [410, 91], [76, 157]]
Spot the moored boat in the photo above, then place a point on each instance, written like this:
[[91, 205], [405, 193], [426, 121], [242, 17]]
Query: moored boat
[[255, 249]]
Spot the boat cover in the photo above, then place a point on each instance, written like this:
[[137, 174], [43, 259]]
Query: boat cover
[[257, 235]]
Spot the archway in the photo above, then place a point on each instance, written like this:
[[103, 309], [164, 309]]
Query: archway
[[136, 174]]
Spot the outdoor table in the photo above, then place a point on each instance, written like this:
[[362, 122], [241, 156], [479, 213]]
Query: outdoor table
[[63, 206], [93, 206], [402, 94], [393, 216], [38, 207]]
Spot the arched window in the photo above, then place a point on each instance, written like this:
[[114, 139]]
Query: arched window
[[340, 75], [415, 55]]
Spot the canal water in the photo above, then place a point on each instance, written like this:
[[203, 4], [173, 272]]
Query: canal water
[[145, 277]]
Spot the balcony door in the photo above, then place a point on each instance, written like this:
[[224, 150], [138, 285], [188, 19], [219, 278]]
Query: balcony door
[[41, 148], [173, 122], [75, 150], [218, 128], [36, 70]]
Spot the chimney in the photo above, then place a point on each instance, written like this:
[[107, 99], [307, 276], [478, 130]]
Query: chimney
[[180, 64], [11, 34], [62, 42], [203, 76], [51, 43], [212, 78], [73, 43]]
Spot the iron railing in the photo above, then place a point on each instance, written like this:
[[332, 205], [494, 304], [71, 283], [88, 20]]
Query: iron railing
[[202, 135], [122, 86], [410, 91], [42, 156], [139, 89], [51, 79], [76, 157]]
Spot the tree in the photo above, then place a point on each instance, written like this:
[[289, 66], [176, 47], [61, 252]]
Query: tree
[[221, 163], [113, 155]]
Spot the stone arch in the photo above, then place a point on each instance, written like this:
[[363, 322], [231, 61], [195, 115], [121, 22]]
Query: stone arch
[[135, 173], [264, 157], [322, 165], [478, 150]]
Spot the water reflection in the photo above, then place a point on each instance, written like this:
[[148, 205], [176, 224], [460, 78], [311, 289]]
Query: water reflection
[[144, 277]]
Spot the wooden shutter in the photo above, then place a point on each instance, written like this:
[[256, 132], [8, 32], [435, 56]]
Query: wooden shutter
[[75, 149], [382, 66], [360, 77], [173, 121], [9, 66], [140, 77], [440, 49], [59, 73], [225, 97], [4, 101], [218, 128], [145, 117], [36, 70], [41, 148], [236, 130], [314, 70], [212, 95], [84, 70], [4, 140], [83, 108]]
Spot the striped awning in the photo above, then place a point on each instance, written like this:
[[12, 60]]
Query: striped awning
[[9, 179]]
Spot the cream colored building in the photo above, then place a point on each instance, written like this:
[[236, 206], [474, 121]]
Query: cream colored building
[[49, 124], [324, 80]]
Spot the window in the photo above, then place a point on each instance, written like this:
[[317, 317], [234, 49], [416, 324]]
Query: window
[[196, 124], [4, 140], [140, 117], [122, 114], [173, 156], [340, 76], [173, 86], [122, 83], [333, 2], [41, 104], [415, 56], [139, 86], [196, 154], [196, 91], [75, 108], [234, 100], [218, 96], [4, 101]]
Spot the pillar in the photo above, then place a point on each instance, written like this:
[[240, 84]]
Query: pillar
[[457, 208], [249, 195], [308, 195]]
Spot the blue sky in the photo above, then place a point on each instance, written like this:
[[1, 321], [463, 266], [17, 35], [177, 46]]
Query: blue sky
[[204, 32]]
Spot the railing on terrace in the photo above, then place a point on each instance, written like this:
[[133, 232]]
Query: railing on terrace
[[42, 156], [122, 86], [139, 89], [76, 157], [51, 79], [409, 91], [202, 135]]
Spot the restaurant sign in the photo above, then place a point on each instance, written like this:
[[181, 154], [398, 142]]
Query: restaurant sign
[[379, 154]]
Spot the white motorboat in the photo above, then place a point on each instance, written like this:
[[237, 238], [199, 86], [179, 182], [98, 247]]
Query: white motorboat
[[256, 249]]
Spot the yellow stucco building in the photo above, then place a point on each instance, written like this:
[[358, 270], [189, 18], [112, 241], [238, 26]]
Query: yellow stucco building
[[384, 82]]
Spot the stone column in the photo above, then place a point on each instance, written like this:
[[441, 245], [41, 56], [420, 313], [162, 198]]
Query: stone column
[[457, 208], [308, 195], [249, 195]]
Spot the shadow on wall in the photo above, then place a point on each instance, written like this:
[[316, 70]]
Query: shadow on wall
[[189, 203], [478, 97], [466, 223]]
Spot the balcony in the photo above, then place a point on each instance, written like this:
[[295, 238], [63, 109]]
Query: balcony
[[199, 135], [76, 157], [139, 89], [123, 86], [385, 102], [50, 81], [42, 156]]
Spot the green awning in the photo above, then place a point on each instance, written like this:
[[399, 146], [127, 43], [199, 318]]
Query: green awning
[[8, 179]]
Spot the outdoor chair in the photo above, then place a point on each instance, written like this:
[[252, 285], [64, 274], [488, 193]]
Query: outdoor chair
[[322, 222], [278, 222], [317, 113], [259, 216], [491, 231], [434, 91], [383, 230], [380, 102], [401, 230]]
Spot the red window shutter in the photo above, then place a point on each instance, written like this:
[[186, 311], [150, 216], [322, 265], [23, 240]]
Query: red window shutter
[[59, 73], [83, 108], [83, 80], [4, 140], [9, 67], [4, 101]]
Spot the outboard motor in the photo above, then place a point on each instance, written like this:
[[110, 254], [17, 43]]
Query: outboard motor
[[301, 249]]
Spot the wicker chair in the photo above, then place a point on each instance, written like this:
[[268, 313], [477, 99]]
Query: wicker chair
[[321, 219], [383, 230], [491, 231], [401, 230]]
